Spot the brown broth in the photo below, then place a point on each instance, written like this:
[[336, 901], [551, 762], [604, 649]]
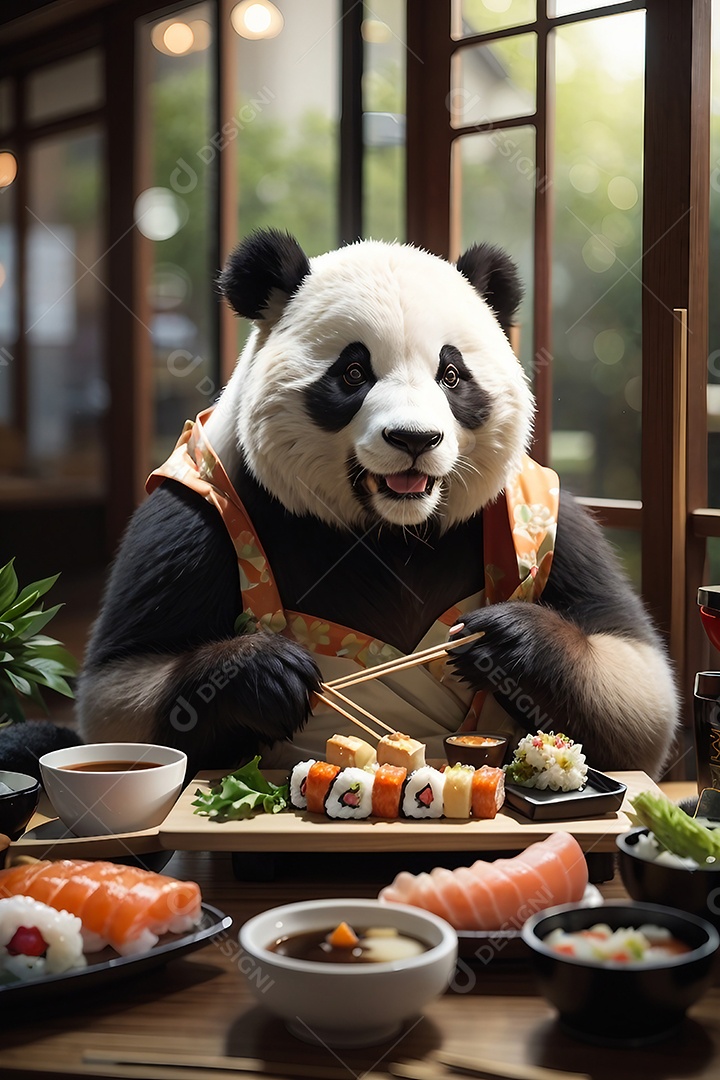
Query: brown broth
[[111, 766], [312, 945]]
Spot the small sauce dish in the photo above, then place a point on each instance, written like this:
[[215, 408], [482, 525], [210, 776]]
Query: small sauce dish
[[476, 748]]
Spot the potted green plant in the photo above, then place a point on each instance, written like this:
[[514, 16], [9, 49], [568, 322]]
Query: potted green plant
[[28, 659]]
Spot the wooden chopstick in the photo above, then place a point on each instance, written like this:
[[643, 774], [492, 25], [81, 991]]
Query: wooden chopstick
[[502, 1069], [475, 1066], [196, 1064], [348, 716], [403, 662], [353, 705]]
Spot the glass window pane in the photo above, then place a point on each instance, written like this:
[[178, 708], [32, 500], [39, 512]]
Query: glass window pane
[[494, 179], [571, 7], [482, 16], [494, 82], [8, 323], [628, 550], [384, 121], [173, 212], [597, 255], [286, 126], [713, 390], [67, 390], [7, 111], [72, 86]]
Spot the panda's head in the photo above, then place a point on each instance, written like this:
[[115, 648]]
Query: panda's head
[[379, 384]]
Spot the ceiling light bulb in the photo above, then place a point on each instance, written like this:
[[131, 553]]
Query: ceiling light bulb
[[256, 19], [178, 38]]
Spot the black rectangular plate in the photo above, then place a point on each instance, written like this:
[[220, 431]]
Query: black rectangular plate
[[108, 966], [601, 795]]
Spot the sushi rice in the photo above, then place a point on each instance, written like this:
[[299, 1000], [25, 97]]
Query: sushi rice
[[60, 930], [298, 779], [548, 761], [350, 794], [423, 794]]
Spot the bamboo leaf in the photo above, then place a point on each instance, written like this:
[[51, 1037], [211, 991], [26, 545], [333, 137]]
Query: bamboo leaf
[[21, 605], [45, 678], [21, 684], [8, 585], [39, 587], [29, 624], [55, 651]]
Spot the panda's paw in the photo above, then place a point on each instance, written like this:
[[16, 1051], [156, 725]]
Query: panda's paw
[[253, 687], [275, 680], [515, 645]]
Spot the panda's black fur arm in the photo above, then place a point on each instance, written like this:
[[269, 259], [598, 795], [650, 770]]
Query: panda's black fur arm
[[579, 660], [174, 584], [587, 583], [164, 662]]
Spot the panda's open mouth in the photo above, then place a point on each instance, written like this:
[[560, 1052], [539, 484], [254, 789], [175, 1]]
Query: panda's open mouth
[[404, 485]]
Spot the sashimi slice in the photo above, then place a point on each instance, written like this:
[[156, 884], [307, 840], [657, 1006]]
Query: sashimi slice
[[499, 895], [566, 876], [460, 911], [164, 905]]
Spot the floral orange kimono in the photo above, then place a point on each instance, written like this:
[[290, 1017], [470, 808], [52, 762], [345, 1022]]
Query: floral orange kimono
[[428, 701]]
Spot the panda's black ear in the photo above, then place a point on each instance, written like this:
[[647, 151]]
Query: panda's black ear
[[266, 262], [495, 276]]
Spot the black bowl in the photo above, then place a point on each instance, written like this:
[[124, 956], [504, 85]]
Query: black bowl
[[479, 754], [696, 891], [628, 1004], [17, 806]]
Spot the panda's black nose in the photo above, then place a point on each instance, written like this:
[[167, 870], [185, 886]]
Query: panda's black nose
[[415, 442]]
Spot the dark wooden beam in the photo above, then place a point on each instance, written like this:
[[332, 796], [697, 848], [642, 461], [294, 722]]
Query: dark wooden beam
[[351, 122], [429, 136]]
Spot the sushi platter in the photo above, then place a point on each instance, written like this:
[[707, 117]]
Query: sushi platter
[[297, 830]]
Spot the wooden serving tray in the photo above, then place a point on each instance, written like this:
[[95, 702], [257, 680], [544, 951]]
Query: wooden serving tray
[[299, 831]]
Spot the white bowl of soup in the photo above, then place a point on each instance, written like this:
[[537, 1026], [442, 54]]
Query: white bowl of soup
[[103, 789], [350, 1000]]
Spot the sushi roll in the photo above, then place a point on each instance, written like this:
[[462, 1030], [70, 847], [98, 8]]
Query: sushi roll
[[423, 794], [317, 785], [387, 791], [298, 783], [457, 793], [488, 791], [350, 794], [37, 940]]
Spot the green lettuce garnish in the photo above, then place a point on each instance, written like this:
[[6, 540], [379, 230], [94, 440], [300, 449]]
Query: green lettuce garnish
[[675, 830], [240, 794]]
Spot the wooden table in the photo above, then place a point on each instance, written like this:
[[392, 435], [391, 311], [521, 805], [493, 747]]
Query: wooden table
[[200, 1005]]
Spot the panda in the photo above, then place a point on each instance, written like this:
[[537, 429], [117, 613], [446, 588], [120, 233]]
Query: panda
[[360, 490]]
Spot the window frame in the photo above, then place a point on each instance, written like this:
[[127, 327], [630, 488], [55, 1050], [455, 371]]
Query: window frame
[[672, 518]]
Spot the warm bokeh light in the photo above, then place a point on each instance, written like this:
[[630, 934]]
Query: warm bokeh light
[[201, 34], [256, 19], [3, 275], [178, 38], [8, 168], [159, 213]]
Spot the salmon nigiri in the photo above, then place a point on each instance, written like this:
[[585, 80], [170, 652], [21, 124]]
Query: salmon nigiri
[[498, 895], [123, 906]]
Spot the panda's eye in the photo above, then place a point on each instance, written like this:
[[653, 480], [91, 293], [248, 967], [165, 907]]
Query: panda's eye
[[354, 375], [451, 377]]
